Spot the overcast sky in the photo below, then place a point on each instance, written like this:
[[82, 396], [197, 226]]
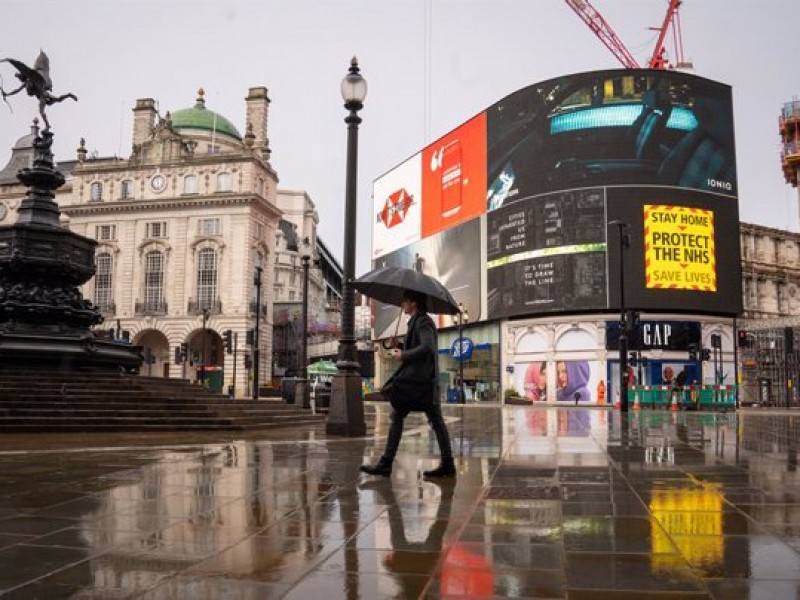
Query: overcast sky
[[430, 65]]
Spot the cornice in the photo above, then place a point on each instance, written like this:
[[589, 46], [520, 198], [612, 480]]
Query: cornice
[[170, 204], [106, 165]]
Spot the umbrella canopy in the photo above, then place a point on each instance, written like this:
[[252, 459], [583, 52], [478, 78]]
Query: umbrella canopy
[[323, 367], [389, 283]]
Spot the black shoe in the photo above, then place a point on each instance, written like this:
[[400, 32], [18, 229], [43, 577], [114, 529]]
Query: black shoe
[[445, 469], [382, 467]]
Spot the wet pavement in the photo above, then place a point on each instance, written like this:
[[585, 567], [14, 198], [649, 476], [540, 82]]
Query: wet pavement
[[548, 503]]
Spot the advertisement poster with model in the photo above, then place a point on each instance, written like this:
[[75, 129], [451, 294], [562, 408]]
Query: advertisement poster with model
[[447, 257], [576, 381]]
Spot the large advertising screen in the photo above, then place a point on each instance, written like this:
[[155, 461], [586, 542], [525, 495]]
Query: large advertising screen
[[441, 256], [548, 167]]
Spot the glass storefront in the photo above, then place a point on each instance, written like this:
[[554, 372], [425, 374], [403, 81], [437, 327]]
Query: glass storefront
[[480, 361]]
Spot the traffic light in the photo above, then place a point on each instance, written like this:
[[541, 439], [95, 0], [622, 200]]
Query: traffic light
[[705, 354], [184, 351], [178, 359], [632, 320], [250, 337], [227, 336], [743, 338], [633, 359], [693, 351]]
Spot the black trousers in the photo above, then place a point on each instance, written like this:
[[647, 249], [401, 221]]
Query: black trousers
[[434, 414]]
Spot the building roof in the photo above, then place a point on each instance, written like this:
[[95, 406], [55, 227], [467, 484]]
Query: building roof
[[21, 157], [199, 117]]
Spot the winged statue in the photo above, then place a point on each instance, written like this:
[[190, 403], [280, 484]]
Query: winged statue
[[36, 82]]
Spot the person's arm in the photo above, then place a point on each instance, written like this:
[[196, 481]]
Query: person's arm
[[426, 331]]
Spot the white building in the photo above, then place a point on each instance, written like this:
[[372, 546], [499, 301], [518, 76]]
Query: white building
[[182, 224]]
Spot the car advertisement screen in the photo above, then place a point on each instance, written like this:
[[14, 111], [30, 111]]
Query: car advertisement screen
[[559, 160]]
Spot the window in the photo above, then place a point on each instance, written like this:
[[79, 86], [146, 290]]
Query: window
[[208, 227], [126, 189], [206, 278], [260, 186], [153, 279], [213, 149], [224, 182], [291, 296], [190, 184], [103, 281], [259, 231], [105, 232], [157, 229], [96, 191]]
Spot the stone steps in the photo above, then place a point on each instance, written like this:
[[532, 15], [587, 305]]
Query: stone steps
[[71, 402]]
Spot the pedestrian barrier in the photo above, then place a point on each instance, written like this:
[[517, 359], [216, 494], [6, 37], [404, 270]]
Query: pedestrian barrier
[[691, 397]]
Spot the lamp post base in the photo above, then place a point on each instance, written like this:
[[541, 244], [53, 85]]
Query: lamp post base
[[346, 412], [301, 395]]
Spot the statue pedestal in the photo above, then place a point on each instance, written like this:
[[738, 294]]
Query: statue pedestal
[[44, 320]]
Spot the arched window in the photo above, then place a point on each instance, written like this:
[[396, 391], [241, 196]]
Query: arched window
[[126, 189], [190, 184], [103, 282], [206, 278], [224, 182], [96, 191], [153, 280]]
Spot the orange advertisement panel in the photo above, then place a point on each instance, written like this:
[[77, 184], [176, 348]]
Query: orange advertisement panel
[[679, 248], [454, 177]]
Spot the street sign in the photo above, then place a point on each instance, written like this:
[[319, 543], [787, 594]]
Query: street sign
[[462, 348]]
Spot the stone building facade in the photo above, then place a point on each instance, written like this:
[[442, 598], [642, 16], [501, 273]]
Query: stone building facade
[[182, 225], [770, 272]]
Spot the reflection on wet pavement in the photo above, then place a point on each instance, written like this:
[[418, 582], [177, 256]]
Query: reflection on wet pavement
[[548, 503]]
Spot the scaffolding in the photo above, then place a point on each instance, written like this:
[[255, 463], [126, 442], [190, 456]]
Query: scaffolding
[[768, 363]]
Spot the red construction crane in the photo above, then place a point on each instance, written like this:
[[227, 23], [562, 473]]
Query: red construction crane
[[604, 32]]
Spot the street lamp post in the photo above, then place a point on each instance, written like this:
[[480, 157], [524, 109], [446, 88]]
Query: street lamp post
[[256, 351], [301, 386], [624, 242], [346, 413], [203, 365], [463, 316]]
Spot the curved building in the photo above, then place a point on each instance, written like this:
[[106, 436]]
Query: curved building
[[562, 206]]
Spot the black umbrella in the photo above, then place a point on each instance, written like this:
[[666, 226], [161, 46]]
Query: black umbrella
[[389, 283]]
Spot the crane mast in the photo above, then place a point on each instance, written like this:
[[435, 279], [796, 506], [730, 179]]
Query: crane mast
[[603, 31], [600, 27]]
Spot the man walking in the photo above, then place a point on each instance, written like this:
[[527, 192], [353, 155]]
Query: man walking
[[414, 387]]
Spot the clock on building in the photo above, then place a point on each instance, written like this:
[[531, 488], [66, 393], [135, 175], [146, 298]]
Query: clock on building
[[158, 183]]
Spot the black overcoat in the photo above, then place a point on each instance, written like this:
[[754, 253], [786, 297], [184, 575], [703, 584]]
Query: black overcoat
[[413, 385]]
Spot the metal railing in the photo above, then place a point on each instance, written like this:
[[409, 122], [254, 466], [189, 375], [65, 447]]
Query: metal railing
[[107, 308], [195, 307], [253, 309], [150, 307]]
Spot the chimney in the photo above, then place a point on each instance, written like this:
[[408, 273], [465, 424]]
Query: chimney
[[144, 119], [257, 116]]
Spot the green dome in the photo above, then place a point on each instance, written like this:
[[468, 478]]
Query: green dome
[[199, 117]]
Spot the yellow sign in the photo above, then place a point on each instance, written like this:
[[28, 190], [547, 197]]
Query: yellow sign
[[679, 248]]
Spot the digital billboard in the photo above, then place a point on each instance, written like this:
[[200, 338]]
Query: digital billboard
[[547, 254], [556, 162], [453, 257]]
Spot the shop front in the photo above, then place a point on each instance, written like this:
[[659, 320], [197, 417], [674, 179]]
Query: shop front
[[563, 361], [476, 358]]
